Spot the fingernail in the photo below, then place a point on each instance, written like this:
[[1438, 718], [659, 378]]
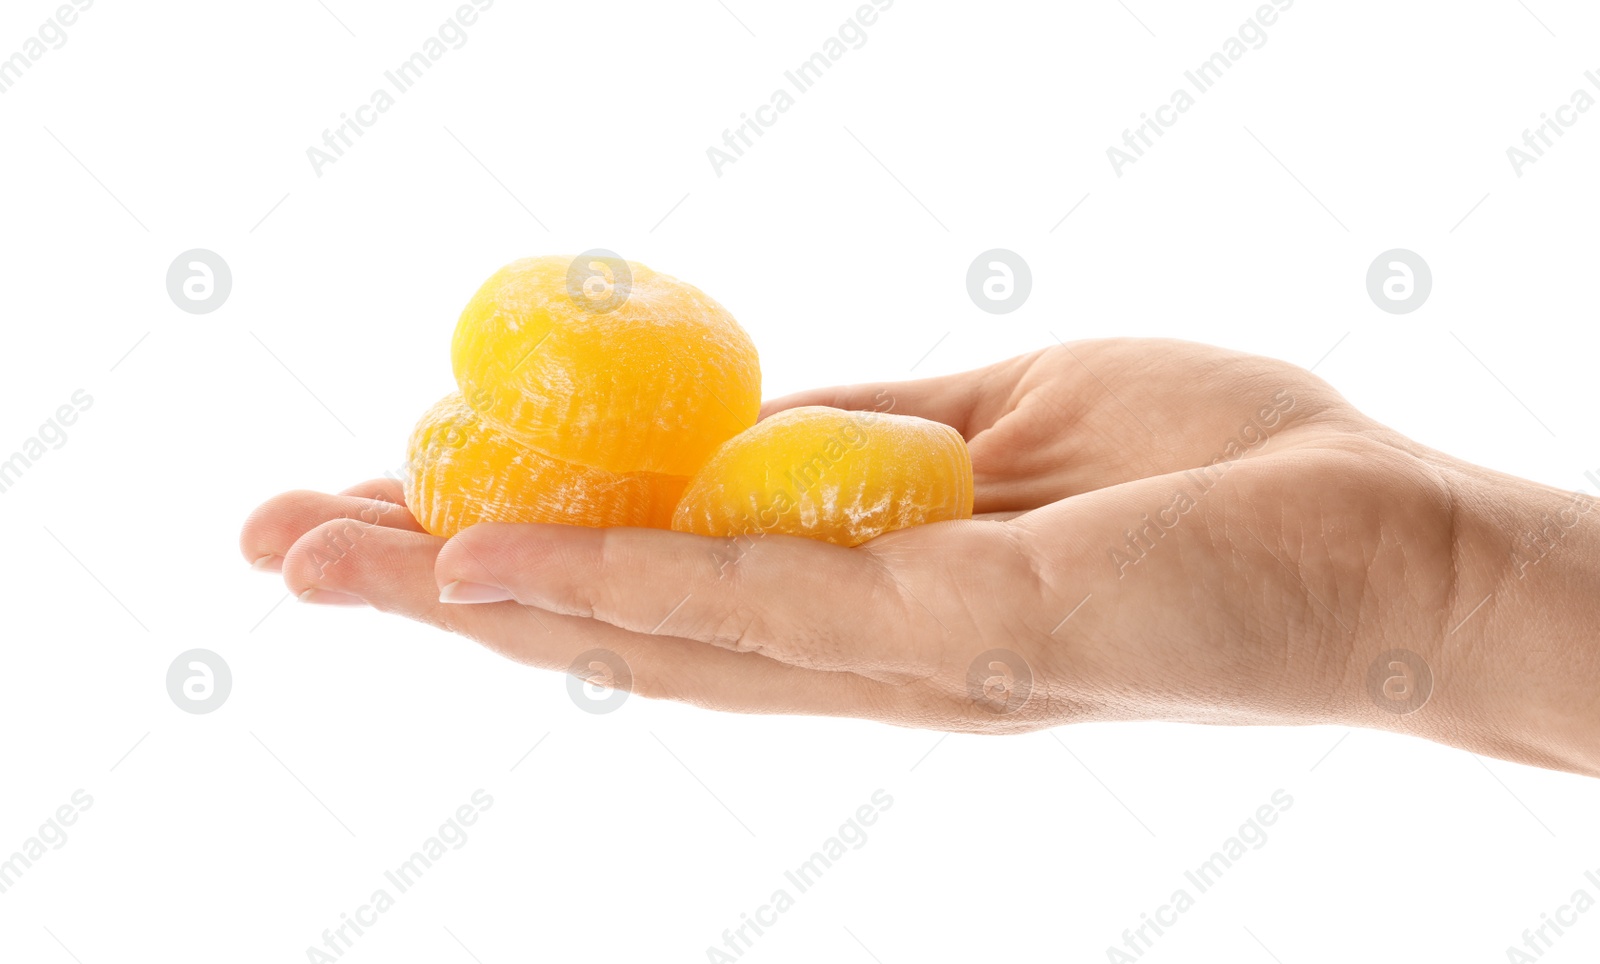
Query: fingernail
[[324, 597], [473, 592], [268, 564]]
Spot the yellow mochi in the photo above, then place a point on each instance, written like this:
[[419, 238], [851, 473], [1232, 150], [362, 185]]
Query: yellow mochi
[[824, 473], [461, 471], [606, 364]]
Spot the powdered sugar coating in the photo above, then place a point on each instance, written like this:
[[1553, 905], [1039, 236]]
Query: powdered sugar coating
[[846, 477], [653, 384], [461, 471]]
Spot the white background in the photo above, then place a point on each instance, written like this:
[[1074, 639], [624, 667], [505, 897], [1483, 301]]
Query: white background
[[841, 241]]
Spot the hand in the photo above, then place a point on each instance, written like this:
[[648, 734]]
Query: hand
[[1165, 531]]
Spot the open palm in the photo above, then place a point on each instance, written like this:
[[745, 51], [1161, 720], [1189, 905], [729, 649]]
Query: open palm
[[1166, 530]]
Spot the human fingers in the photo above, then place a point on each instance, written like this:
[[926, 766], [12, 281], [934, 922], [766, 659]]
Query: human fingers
[[803, 602], [389, 490], [1093, 414], [392, 570], [968, 401], [278, 523]]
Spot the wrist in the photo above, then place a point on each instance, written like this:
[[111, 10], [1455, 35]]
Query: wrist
[[1515, 667]]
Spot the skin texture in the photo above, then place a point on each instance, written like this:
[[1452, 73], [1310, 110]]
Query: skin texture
[[1165, 531]]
